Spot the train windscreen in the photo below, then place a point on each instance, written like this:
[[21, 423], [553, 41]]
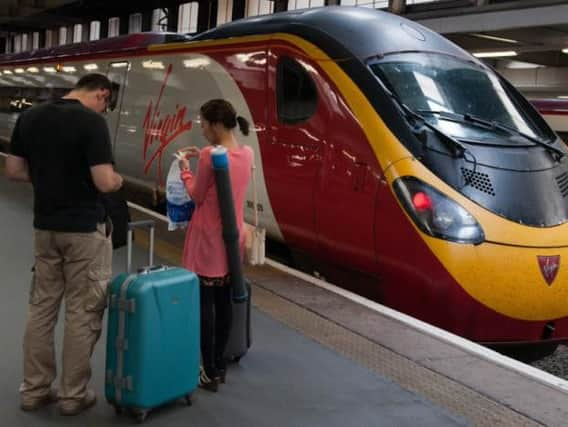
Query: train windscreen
[[438, 86]]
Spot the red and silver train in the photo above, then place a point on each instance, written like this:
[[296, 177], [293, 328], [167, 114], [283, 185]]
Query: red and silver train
[[386, 154]]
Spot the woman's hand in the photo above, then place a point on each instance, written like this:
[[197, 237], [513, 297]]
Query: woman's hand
[[184, 154], [183, 164], [189, 152]]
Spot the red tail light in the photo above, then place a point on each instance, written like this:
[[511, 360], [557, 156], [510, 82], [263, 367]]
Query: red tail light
[[422, 202]]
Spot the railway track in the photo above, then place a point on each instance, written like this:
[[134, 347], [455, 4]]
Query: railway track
[[556, 364]]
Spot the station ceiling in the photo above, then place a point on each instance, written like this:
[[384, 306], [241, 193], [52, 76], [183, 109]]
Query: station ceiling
[[540, 45], [536, 31], [36, 15]]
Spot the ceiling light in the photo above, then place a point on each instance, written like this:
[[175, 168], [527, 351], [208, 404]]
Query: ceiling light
[[495, 54], [154, 65], [49, 69], [69, 69], [565, 50], [91, 67], [119, 64], [520, 65], [33, 70], [7, 72], [19, 70], [562, 97], [497, 39]]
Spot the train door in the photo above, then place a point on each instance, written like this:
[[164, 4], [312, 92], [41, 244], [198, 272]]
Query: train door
[[292, 154], [117, 73], [345, 195]]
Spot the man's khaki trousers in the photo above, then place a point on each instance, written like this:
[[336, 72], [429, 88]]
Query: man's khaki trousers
[[77, 267]]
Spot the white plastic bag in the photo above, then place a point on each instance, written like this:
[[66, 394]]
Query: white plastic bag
[[255, 246], [179, 205], [255, 236]]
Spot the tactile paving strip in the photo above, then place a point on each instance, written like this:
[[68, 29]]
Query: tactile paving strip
[[475, 408]]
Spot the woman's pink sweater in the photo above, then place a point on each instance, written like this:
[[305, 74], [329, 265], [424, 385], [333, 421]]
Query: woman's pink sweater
[[204, 250]]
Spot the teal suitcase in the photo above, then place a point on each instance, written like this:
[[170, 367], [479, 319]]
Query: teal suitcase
[[153, 352]]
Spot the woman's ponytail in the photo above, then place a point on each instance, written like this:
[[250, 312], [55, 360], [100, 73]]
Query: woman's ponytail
[[221, 111], [243, 125]]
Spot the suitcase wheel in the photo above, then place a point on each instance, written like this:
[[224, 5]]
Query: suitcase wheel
[[140, 416], [188, 399]]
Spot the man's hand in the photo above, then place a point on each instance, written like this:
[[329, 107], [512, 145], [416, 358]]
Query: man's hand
[[17, 169]]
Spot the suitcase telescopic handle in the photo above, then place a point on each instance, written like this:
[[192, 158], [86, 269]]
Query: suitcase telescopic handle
[[151, 225]]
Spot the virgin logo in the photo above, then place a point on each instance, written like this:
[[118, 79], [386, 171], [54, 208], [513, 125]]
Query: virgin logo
[[162, 128], [549, 267]]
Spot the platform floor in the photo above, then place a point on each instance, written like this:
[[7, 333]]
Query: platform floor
[[317, 360]]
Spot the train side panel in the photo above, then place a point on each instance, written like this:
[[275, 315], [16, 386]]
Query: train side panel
[[160, 115]]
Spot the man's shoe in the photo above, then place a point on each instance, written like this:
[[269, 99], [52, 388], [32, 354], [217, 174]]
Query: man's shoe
[[76, 407], [210, 383], [40, 402]]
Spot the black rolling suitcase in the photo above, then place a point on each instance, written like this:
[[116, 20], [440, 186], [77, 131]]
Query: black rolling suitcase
[[240, 336]]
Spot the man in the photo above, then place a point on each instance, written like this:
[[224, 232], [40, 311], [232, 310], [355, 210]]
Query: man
[[63, 147]]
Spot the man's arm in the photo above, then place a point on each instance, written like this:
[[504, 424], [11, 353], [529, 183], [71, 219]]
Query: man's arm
[[105, 178], [17, 169]]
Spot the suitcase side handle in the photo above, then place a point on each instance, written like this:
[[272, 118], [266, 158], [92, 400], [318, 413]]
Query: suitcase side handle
[[152, 269], [151, 225]]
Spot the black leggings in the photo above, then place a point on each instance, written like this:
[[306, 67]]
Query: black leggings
[[216, 317]]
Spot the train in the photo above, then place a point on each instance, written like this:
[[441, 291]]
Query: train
[[389, 159], [555, 112]]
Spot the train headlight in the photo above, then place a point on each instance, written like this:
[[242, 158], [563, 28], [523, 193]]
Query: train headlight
[[436, 214]]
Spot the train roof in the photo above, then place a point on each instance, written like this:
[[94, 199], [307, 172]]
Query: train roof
[[551, 106], [127, 43], [342, 32], [361, 31]]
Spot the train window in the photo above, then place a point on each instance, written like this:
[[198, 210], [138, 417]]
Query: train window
[[433, 83], [114, 96], [15, 99], [295, 91]]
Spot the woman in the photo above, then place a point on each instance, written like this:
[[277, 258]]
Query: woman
[[204, 251]]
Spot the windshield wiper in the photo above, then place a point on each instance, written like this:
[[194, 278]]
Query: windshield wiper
[[493, 125], [457, 147]]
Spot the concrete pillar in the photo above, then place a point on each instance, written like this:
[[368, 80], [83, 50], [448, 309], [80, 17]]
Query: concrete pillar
[[123, 25], [280, 5], [147, 20], [239, 9], [173, 17], [103, 34], [42, 39], [206, 16], [86, 32], [397, 6]]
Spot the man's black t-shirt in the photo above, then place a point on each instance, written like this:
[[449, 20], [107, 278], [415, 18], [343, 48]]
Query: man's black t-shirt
[[61, 140]]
